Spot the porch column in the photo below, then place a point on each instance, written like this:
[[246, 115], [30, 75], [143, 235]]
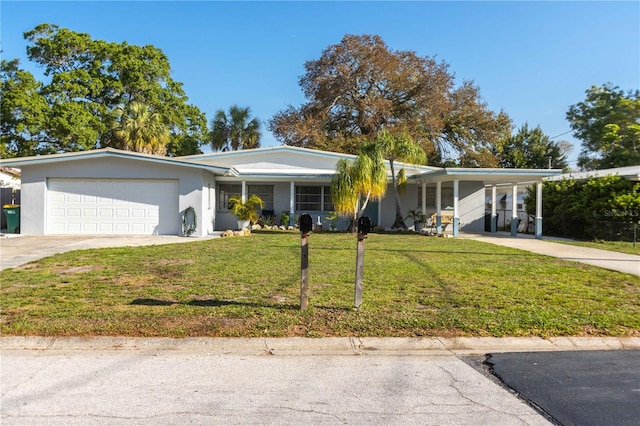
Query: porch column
[[292, 201], [244, 191], [438, 208], [494, 209], [539, 210], [456, 212], [424, 198], [514, 210]]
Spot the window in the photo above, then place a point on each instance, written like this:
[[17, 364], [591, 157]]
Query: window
[[265, 192], [327, 203], [313, 198], [226, 191], [447, 197]]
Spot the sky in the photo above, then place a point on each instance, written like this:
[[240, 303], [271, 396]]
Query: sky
[[532, 60]]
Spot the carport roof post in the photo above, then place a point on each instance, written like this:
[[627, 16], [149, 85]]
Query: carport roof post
[[114, 153]]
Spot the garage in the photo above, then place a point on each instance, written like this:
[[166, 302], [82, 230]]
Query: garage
[[112, 206]]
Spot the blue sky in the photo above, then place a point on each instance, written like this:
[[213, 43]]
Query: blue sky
[[531, 59]]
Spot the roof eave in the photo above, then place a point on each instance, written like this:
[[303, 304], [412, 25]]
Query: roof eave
[[109, 152], [486, 174]]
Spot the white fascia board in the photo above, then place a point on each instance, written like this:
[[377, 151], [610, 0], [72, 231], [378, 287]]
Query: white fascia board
[[631, 173], [288, 177], [268, 149], [107, 153], [486, 174]]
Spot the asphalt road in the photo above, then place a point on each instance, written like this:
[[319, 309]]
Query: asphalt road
[[586, 388]]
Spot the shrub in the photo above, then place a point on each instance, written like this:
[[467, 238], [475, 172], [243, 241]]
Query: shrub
[[570, 207]]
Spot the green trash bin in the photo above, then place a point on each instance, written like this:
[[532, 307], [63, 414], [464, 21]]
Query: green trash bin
[[12, 212]]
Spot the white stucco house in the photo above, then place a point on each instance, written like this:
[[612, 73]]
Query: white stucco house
[[109, 191]]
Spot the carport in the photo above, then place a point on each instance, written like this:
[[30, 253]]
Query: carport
[[474, 178]]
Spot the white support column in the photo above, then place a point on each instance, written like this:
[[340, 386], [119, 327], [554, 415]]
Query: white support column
[[456, 209], [438, 207], [244, 191], [292, 201], [539, 210], [424, 198], [494, 209], [514, 210]]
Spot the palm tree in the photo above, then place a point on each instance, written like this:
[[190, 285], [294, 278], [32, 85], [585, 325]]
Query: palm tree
[[235, 131], [357, 182], [140, 129], [399, 148]]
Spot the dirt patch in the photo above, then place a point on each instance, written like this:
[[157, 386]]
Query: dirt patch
[[170, 262], [79, 269]]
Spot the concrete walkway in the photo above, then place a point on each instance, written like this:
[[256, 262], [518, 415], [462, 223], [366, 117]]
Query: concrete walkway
[[612, 260]]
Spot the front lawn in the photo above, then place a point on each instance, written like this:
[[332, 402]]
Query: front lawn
[[250, 286]]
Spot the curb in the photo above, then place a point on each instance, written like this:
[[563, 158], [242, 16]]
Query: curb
[[380, 346]]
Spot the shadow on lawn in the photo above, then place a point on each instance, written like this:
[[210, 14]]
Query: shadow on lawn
[[435, 251], [483, 253], [212, 303]]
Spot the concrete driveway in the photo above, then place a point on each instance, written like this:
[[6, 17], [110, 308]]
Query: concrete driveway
[[16, 250], [622, 262]]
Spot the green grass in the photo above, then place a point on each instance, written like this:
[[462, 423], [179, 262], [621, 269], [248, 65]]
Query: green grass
[[618, 246], [413, 286]]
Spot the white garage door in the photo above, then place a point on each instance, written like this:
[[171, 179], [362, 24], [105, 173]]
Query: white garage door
[[113, 206]]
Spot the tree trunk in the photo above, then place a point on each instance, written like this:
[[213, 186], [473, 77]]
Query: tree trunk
[[399, 221]]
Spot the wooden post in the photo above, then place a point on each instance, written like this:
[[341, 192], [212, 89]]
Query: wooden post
[[306, 226], [304, 271], [359, 271]]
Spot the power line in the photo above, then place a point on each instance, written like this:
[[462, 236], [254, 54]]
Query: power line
[[561, 134]]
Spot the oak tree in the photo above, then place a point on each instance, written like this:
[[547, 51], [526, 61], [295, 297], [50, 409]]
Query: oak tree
[[608, 124], [531, 148], [23, 112], [89, 81], [360, 86]]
